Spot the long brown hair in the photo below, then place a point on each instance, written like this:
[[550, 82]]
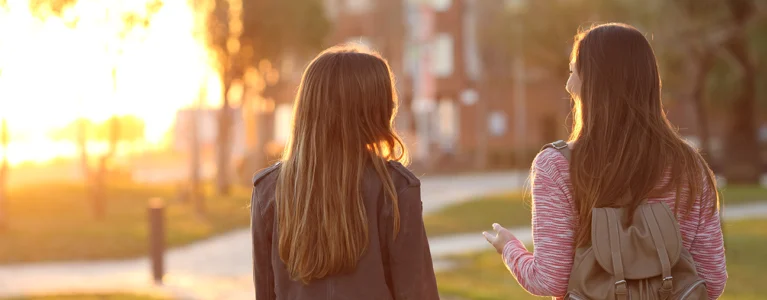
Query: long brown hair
[[622, 138], [342, 123]]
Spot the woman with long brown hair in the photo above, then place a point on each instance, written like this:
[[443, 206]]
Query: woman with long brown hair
[[339, 217], [621, 141]]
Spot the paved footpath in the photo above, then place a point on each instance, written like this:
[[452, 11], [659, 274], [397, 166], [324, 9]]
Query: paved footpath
[[220, 267]]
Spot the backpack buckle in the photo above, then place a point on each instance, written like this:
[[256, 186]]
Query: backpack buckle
[[559, 145], [667, 285], [620, 287]]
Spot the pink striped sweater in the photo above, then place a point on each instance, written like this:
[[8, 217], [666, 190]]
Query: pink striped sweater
[[546, 271]]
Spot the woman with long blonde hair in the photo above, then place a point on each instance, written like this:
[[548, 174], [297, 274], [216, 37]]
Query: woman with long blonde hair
[[340, 217]]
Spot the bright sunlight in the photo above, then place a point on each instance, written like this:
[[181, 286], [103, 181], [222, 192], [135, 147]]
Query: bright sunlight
[[86, 64]]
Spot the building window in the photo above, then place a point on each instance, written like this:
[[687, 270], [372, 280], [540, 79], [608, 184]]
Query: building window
[[442, 5], [447, 126], [358, 6], [443, 55], [283, 119], [497, 123]]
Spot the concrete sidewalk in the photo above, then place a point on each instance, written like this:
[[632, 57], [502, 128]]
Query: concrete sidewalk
[[218, 268]]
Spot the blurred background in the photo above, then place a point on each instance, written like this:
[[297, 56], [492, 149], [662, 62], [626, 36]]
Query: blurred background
[[131, 121]]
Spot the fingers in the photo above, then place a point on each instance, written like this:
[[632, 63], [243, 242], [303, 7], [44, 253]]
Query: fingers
[[488, 236], [497, 227]]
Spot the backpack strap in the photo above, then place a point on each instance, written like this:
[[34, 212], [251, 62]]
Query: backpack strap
[[660, 245], [561, 146], [621, 287]]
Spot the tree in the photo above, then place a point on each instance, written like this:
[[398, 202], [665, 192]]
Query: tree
[[115, 131], [687, 53], [742, 146], [704, 50], [264, 30], [126, 23], [4, 170], [697, 36]]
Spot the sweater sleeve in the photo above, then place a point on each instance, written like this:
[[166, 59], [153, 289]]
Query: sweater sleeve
[[545, 271], [707, 248]]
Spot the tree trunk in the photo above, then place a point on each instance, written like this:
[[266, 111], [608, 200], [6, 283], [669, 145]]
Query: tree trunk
[[4, 176], [699, 67], [742, 146], [82, 141], [224, 137], [4, 193], [91, 178], [101, 176], [98, 189], [195, 185]]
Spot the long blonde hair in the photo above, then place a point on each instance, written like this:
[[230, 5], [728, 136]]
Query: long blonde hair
[[342, 123], [623, 140]]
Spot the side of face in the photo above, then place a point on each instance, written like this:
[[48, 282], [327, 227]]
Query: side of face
[[573, 85]]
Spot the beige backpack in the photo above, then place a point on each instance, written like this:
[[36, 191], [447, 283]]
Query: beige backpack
[[642, 261]]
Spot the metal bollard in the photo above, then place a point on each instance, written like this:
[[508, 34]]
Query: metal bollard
[[157, 238]]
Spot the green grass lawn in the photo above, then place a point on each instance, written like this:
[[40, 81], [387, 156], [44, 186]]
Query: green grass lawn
[[54, 222], [483, 277], [90, 297], [508, 209], [732, 195], [512, 209]]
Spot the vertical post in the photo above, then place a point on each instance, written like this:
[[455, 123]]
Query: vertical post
[[157, 238]]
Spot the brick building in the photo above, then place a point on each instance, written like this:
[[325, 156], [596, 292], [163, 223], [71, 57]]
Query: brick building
[[484, 111]]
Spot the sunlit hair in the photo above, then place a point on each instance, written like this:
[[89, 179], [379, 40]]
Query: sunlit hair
[[623, 140], [342, 124]]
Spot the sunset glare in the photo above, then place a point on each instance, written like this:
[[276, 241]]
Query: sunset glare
[[54, 70]]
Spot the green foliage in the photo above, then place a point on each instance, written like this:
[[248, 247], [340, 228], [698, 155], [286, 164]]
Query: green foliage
[[272, 27]]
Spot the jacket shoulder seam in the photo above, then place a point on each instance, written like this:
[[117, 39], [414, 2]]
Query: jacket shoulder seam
[[263, 173], [411, 179]]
